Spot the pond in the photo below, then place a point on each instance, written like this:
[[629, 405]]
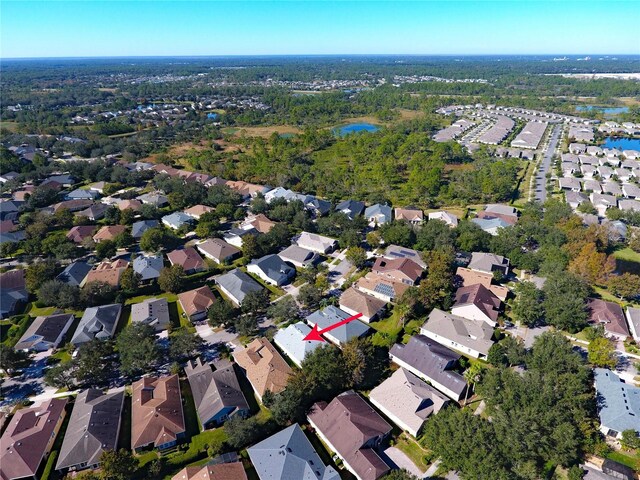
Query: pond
[[212, 116], [622, 143], [355, 128], [607, 110]]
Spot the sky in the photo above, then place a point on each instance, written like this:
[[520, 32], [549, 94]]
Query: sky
[[183, 28]]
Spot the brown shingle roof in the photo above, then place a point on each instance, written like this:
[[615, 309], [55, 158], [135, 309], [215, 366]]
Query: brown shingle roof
[[156, 412], [471, 277], [409, 214], [349, 422], [481, 297], [261, 223], [133, 204], [108, 272], [356, 301], [220, 471], [265, 367], [401, 269], [187, 258], [608, 313], [197, 210], [25, 441], [79, 233], [218, 249], [109, 232], [198, 300]]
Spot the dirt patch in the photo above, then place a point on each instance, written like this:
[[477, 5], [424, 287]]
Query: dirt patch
[[263, 131]]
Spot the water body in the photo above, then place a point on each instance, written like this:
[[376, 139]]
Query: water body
[[607, 110], [212, 116], [356, 128], [622, 143]]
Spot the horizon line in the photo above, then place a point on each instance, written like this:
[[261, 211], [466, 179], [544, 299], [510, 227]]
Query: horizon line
[[276, 55]]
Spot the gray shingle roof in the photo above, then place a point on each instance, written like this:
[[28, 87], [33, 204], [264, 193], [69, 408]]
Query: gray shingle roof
[[215, 391], [331, 315], [238, 284], [97, 322], [288, 455], [75, 273], [93, 428], [138, 228], [275, 268], [148, 266], [618, 402]]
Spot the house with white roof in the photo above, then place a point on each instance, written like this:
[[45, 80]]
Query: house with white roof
[[291, 341]]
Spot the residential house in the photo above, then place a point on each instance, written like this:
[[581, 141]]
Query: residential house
[[381, 287], [378, 214], [157, 418], [107, 272], [272, 269], [196, 303], [93, 428], [407, 400], [618, 403], [97, 322], [188, 259], [7, 177], [213, 471], [351, 428], [97, 187], [218, 250], [610, 315], [217, 394], [298, 256], [236, 285], [491, 225], [177, 220], [410, 215], [394, 252], [574, 199], [93, 212], [471, 277], [289, 454], [80, 233], [29, 438], [476, 302], [148, 266], [489, 263], [633, 318], [446, 217], [354, 301], [132, 204], [351, 208], [631, 191], [291, 342], [469, 336], [570, 183], [75, 273], [156, 199], [603, 202], [331, 315], [197, 211], [258, 222], [9, 209], [153, 312], [80, 194], [633, 205], [432, 362], [139, 227], [13, 292], [235, 235], [109, 232], [316, 243], [402, 270], [45, 332], [264, 367]]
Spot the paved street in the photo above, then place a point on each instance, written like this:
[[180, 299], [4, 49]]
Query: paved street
[[545, 164]]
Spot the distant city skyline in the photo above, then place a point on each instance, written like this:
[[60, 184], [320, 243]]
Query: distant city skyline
[[212, 28]]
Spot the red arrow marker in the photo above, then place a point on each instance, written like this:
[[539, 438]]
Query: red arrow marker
[[314, 334]]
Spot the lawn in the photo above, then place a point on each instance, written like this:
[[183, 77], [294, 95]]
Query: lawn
[[626, 458], [275, 291], [627, 261], [39, 311], [413, 450]]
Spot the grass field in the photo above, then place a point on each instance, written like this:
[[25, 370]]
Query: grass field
[[627, 261], [9, 127], [262, 131], [413, 450]]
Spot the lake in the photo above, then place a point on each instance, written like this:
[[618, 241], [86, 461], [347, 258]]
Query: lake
[[622, 143], [608, 110], [356, 128]]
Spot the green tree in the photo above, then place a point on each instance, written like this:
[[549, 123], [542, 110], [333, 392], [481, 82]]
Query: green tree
[[39, 272], [398, 233], [106, 249], [250, 248], [630, 439], [284, 310], [220, 313], [625, 286], [357, 256], [184, 344], [242, 432], [256, 301], [602, 353], [97, 293], [11, 360], [61, 375], [171, 279], [309, 296], [93, 362], [137, 348], [118, 464], [246, 324], [157, 238], [130, 280], [565, 300], [528, 304], [59, 294], [399, 475], [123, 239]]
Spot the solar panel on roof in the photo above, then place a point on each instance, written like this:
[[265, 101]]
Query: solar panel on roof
[[384, 289]]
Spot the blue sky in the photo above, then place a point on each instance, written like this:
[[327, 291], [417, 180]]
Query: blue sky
[[119, 28]]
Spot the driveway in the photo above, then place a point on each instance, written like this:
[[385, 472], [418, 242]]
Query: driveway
[[545, 164], [401, 460]]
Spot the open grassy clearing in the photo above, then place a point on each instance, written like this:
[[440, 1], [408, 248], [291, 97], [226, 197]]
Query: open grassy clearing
[[262, 131], [418, 455]]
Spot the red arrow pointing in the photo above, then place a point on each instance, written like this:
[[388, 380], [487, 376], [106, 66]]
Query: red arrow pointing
[[314, 334]]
